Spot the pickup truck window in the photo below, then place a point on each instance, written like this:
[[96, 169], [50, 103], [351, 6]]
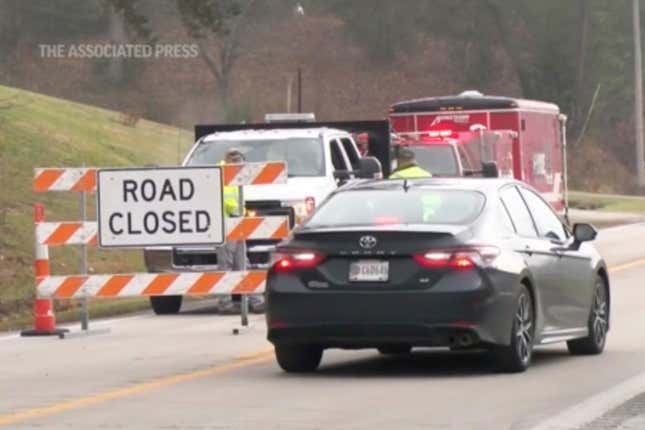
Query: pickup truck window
[[337, 157], [304, 156], [351, 151]]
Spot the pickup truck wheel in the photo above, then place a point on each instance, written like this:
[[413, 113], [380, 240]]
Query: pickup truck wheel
[[165, 305]]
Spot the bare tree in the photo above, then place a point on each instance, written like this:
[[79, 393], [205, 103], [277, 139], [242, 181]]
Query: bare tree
[[212, 23], [583, 33], [219, 22], [116, 28]]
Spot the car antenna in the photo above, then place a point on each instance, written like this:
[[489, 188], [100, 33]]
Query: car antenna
[[406, 186]]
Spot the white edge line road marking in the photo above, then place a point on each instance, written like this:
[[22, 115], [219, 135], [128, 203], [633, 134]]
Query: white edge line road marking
[[594, 407]]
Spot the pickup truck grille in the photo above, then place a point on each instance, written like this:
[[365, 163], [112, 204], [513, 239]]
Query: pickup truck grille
[[272, 208], [187, 257], [194, 257]]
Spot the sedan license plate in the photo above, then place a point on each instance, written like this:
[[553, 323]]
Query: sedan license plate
[[369, 271]]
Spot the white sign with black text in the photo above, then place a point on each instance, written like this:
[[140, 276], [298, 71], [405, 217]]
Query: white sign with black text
[[162, 206]]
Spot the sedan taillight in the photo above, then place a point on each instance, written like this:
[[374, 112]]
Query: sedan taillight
[[285, 262], [458, 259]]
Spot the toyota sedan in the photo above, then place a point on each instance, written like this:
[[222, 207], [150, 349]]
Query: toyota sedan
[[459, 263]]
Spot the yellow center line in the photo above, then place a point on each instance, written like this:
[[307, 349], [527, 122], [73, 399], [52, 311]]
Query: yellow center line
[[93, 399], [625, 266]]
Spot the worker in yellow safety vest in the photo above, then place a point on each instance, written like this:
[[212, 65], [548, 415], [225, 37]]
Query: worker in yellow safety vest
[[232, 192], [231, 255], [407, 167]]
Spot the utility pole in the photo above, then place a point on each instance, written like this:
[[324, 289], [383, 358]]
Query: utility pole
[[299, 90], [638, 108]]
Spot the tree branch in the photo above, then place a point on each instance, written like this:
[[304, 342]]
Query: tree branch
[[505, 30]]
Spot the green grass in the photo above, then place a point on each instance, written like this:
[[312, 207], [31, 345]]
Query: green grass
[[98, 309], [41, 131], [607, 203]]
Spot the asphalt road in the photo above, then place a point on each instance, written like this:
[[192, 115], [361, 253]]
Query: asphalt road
[[189, 372]]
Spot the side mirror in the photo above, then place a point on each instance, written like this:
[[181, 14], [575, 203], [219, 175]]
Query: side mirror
[[343, 175], [489, 169], [583, 232], [369, 168], [469, 172]]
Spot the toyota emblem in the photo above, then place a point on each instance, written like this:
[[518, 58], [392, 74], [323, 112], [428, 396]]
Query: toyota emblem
[[367, 242]]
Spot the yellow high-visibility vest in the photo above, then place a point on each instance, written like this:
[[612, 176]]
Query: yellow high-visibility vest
[[231, 198], [411, 172]]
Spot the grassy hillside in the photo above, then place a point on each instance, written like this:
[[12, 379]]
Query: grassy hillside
[[40, 131]]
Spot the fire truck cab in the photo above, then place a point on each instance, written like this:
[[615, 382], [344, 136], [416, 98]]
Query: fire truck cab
[[456, 135], [450, 153]]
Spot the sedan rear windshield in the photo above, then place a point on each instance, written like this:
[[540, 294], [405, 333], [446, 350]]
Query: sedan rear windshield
[[396, 206], [304, 156]]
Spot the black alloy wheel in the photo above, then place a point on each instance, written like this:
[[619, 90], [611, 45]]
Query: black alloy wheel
[[516, 357], [598, 323]]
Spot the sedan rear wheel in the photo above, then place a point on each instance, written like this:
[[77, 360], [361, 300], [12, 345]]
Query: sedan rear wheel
[[516, 357], [298, 358], [598, 324]]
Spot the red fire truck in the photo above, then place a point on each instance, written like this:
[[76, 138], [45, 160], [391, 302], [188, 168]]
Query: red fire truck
[[454, 135]]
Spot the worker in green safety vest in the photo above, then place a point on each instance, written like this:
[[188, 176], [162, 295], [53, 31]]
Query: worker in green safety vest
[[407, 168], [231, 255], [232, 192]]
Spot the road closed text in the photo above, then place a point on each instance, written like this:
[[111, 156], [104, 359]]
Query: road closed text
[[166, 206], [169, 221]]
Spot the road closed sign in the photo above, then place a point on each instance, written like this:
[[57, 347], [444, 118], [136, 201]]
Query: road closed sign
[[160, 206]]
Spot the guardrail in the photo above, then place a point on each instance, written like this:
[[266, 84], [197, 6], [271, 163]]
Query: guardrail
[[85, 233]]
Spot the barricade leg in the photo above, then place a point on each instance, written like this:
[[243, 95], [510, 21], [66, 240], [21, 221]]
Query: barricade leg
[[44, 318], [85, 305], [244, 302]]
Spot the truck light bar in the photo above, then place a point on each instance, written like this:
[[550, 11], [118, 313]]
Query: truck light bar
[[289, 117]]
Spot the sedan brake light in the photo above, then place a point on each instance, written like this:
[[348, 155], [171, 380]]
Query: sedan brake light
[[457, 259], [285, 262], [385, 220]]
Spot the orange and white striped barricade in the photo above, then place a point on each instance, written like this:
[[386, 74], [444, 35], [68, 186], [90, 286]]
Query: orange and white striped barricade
[[84, 178], [64, 179], [85, 233], [152, 284]]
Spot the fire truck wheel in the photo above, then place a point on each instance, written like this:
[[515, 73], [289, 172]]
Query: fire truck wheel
[[165, 305]]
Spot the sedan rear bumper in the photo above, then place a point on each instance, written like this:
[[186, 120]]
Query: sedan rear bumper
[[442, 315], [374, 335]]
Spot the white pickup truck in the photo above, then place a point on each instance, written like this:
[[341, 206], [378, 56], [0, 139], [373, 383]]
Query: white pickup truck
[[318, 161]]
